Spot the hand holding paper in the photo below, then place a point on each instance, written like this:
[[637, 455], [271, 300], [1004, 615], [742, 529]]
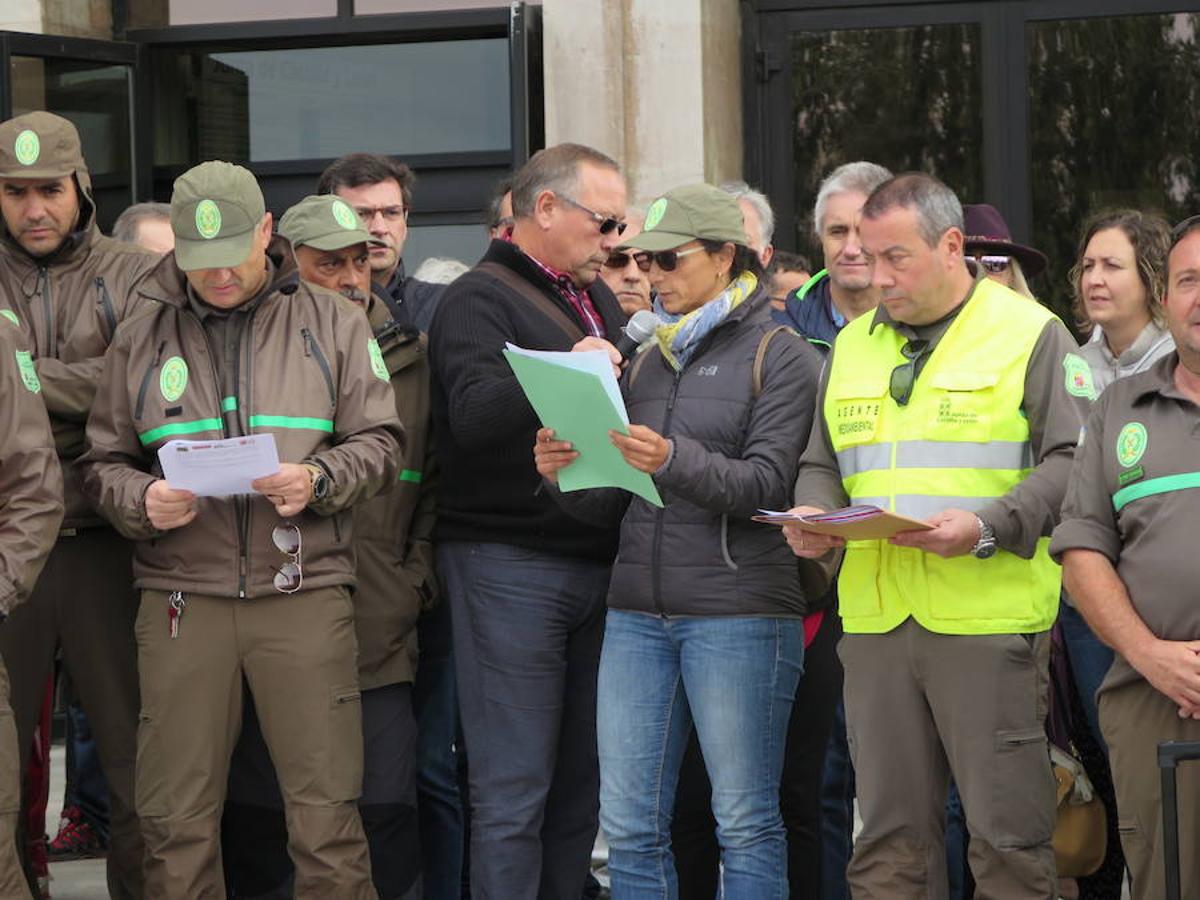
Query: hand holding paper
[[218, 468], [577, 397]]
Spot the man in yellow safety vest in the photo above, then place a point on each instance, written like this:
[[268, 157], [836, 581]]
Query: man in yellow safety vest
[[959, 402]]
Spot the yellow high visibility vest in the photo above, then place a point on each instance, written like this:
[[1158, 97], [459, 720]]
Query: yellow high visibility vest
[[961, 441]]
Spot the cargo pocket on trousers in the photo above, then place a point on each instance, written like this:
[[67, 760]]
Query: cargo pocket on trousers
[[345, 743], [150, 779], [1022, 812]]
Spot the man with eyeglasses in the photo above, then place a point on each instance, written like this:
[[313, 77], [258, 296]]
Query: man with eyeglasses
[[526, 581], [379, 189], [624, 277], [257, 586], [959, 402], [67, 287]]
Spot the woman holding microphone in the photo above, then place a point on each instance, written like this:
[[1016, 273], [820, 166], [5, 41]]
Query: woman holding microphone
[[705, 606]]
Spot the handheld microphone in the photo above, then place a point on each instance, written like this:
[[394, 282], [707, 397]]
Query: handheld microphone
[[638, 330]]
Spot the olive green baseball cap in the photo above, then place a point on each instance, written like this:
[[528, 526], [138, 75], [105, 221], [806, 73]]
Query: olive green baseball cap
[[215, 208], [325, 222], [39, 145], [695, 211]]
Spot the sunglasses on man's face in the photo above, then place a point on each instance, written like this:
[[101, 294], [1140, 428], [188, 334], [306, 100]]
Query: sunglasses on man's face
[[619, 259], [607, 224], [666, 260], [994, 264]]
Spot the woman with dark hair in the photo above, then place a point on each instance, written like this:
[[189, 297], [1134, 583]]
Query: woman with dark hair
[[705, 607]]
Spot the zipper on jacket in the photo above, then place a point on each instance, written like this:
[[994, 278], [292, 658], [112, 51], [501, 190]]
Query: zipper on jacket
[[51, 349], [656, 552], [145, 385], [313, 349], [106, 306]]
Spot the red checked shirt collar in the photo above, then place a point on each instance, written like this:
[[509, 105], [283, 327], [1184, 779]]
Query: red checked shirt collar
[[577, 299]]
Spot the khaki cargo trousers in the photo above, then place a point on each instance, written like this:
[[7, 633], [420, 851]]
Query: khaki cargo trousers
[[85, 604], [923, 707], [298, 654], [12, 877], [1134, 718]]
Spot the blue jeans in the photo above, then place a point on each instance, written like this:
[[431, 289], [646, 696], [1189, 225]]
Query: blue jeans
[[837, 811], [439, 750], [735, 679], [86, 785], [527, 632], [1090, 661]]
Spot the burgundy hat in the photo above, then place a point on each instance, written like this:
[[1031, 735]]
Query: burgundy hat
[[988, 235]]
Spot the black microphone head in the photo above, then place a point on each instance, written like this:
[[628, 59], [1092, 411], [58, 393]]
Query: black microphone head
[[642, 325]]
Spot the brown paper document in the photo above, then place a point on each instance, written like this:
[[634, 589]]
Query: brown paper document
[[854, 523]]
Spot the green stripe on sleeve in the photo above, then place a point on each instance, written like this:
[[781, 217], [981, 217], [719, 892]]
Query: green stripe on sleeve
[[228, 404], [299, 422], [1164, 485], [410, 475], [175, 428]]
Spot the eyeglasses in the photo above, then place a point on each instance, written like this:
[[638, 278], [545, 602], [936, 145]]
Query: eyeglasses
[[607, 223], [905, 374], [994, 264], [389, 213], [667, 260], [618, 259], [289, 576]]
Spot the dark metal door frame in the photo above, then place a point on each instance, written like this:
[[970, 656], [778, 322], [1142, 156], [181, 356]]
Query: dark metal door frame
[[769, 24]]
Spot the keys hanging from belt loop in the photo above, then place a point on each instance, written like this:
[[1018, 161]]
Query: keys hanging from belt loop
[[175, 607]]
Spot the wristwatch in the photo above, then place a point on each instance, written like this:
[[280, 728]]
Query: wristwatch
[[318, 481], [985, 547]]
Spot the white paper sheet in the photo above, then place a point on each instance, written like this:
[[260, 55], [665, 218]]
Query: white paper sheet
[[218, 468], [594, 361]]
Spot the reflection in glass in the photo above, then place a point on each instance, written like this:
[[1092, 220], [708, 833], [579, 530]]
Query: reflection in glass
[[1112, 123], [95, 97], [320, 102], [465, 243], [906, 98]]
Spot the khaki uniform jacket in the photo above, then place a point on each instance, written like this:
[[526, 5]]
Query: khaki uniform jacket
[[395, 529], [68, 305], [307, 374], [31, 506]]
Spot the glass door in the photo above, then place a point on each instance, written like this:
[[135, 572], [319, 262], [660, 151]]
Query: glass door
[[90, 83]]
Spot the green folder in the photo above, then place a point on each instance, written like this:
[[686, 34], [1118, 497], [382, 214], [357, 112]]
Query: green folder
[[579, 409]]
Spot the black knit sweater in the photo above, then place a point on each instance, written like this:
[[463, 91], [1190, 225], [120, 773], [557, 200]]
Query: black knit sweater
[[484, 428]]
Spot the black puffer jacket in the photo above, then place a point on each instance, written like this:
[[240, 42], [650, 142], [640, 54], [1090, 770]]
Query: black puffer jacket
[[734, 454]]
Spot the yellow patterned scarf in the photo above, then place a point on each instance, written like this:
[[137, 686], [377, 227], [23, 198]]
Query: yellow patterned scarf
[[680, 336]]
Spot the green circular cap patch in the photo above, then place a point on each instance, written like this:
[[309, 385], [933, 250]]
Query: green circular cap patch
[[173, 378], [27, 147], [208, 220], [378, 366], [11, 316], [344, 215], [1131, 444], [655, 213]]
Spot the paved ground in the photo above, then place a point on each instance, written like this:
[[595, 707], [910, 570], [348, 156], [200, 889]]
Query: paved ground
[[82, 880]]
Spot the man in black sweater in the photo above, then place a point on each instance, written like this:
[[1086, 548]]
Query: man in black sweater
[[526, 582]]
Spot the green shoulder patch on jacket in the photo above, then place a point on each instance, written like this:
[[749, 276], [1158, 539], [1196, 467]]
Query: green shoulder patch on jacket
[[29, 376]]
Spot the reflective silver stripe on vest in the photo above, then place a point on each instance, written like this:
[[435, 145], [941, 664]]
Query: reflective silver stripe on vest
[[922, 506], [936, 455]]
